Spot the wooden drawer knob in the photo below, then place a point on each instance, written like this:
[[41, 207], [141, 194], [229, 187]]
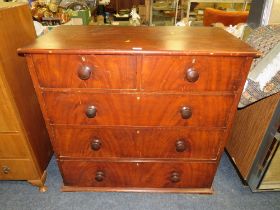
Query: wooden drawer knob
[[180, 145], [186, 112], [91, 111], [84, 72], [175, 177], [192, 75], [6, 169], [99, 176], [95, 144]]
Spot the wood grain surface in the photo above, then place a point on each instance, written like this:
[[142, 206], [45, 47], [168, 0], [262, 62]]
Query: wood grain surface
[[19, 169], [249, 128], [8, 119], [30, 151], [138, 88], [138, 190], [118, 142], [138, 174], [13, 145], [168, 73], [137, 109], [110, 72], [139, 40]]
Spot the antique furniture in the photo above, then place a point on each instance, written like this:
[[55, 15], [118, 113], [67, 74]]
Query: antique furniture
[[25, 149], [138, 108], [227, 18], [254, 144], [244, 2]]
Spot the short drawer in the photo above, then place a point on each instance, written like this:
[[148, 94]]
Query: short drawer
[[17, 169], [191, 73], [137, 143], [138, 109], [88, 71], [13, 145], [138, 174]]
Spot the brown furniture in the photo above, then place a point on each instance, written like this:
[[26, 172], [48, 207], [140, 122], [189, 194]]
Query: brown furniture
[[25, 149], [212, 16], [254, 144], [138, 108], [125, 4]]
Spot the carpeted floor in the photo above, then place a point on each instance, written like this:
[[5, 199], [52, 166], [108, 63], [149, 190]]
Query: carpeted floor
[[229, 194]]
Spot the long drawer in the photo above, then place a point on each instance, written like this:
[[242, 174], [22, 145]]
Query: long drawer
[[137, 143], [158, 73], [137, 174], [87, 71], [191, 73], [138, 109]]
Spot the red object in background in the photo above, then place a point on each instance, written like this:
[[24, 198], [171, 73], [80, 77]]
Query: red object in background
[[227, 18]]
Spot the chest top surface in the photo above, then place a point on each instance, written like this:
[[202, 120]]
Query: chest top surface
[[139, 40]]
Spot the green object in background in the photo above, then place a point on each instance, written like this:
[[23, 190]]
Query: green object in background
[[83, 16]]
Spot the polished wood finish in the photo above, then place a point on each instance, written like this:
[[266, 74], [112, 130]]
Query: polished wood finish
[[108, 72], [135, 109], [137, 142], [18, 169], [25, 146], [158, 113], [138, 174], [8, 120], [169, 73], [13, 145], [166, 40], [138, 190]]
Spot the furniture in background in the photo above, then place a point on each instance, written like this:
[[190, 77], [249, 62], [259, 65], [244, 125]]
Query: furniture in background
[[125, 4], [163, 13], [212, 16], [25, 149], [146, 111], [245, 3], [254, 144]]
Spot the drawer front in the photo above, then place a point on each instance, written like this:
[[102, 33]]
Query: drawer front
[[98, 72], [138, 110], [190, 73], [13, 146], [8, 119], [17, 169], [137, 143], [138, 174]]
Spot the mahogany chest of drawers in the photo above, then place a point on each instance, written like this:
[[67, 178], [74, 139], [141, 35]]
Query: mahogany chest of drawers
[[138, 108]]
